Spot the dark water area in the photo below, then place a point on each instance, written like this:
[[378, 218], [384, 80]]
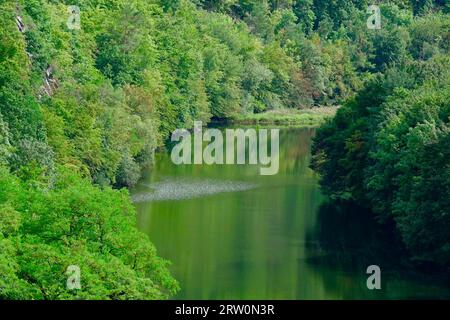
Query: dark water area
[[231, 233]]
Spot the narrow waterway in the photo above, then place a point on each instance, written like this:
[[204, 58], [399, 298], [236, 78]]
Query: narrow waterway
[[231, 233]]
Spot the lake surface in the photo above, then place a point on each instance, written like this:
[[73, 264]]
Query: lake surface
[[231, 233]]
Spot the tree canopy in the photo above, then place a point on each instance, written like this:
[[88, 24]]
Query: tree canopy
[[83, 109]]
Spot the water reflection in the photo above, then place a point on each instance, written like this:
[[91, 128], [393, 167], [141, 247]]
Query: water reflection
[[276, 241], [349, 240]]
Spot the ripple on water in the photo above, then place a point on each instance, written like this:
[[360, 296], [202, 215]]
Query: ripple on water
[[180, 189]]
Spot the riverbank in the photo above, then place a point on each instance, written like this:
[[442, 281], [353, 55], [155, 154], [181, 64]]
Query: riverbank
[[288, 117]]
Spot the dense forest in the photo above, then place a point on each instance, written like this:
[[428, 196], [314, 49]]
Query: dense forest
[[82, 110], [388, 148]]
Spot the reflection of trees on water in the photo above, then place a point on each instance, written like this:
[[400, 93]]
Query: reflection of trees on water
[[346, 240], [294, 157], [295, 149], [348, 236]]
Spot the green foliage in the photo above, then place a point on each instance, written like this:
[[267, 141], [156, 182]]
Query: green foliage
[[387, 149], [125, 46], [32, 154], [42, 232], [18, 107], [4, 142], [411, 157], [99, 100]]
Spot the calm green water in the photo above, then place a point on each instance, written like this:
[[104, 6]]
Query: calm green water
[[233, 234]]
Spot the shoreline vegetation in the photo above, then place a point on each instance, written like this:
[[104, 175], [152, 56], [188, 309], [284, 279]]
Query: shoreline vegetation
[[86, 99], [287, 117]]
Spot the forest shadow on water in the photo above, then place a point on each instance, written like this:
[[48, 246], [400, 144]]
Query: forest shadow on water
[[348, 240]]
